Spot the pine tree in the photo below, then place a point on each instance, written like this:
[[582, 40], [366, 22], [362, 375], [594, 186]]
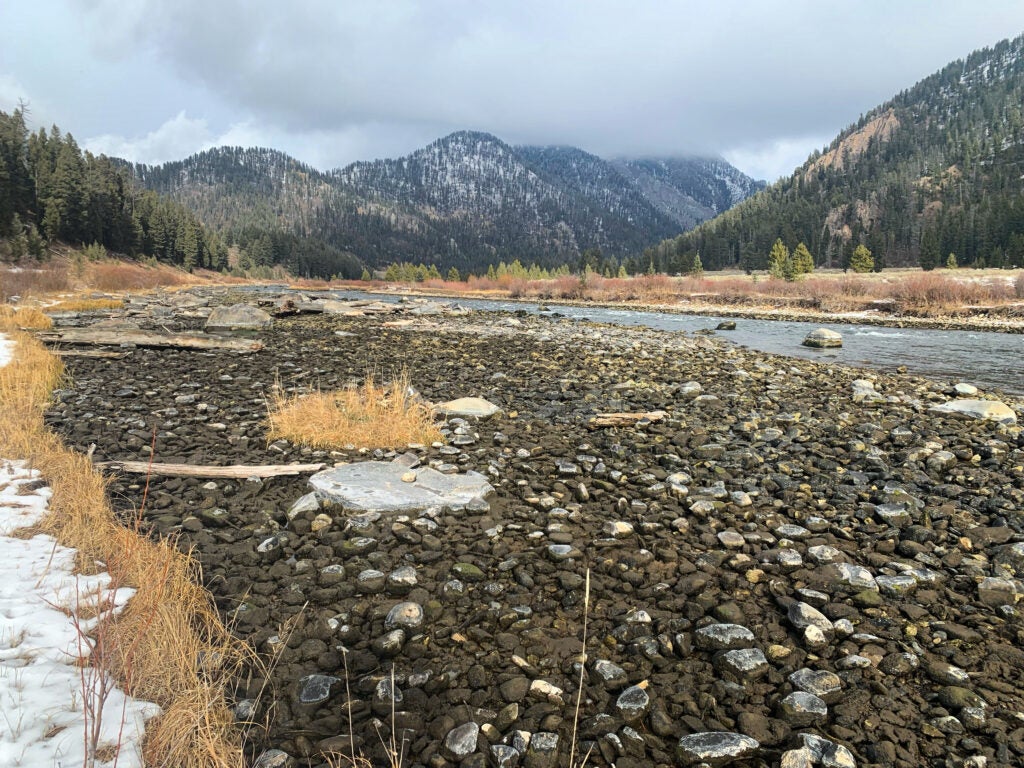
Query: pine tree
[[951, 262], [453, 275], [803, 262], [929, 257], [777, 259], [366, 276], [861, 260]]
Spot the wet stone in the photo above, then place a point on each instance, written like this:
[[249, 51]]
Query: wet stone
[[390, 644], [802, 709], [274, 758], [314, 689], [633, 703], [956, 697], [827, 753], [854, 577], [801, 615], [723, 637], [610, 675], [715, 748], [896, 586], [405, 615], [370, 581], [461, 741], [745, 663], [505, 756], [823, 684], [402, 579], [542, 752]]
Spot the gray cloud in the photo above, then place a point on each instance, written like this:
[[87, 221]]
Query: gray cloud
[[758, 82]]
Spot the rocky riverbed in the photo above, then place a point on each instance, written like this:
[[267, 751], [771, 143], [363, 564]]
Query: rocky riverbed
[[788, 568]]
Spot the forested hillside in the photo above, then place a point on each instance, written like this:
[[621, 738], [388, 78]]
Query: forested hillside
[[467, 201], [51, 190], [937, 170]]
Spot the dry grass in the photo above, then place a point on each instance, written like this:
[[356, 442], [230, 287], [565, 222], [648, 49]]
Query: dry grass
[[169, 645], [129, 276], [85, 305], [27, 318], [368, 416], [33, 280]]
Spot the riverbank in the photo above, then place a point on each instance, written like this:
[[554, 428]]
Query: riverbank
[[998, 320], [788, 553]]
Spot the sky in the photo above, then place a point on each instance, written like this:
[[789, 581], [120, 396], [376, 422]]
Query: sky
[[761, 83]]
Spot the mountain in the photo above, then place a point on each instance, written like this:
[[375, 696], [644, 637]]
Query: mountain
[[466, 200], [936, 170]]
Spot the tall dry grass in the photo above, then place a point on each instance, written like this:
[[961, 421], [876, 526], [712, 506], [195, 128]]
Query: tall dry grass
[[168, 645], [33, 280], [85, 305], [130, 276], [368, 416], [27, 318]]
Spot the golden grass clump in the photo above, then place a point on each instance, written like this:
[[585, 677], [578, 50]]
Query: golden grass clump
[[85, 305], [12, 319], [168, 645], [367, 416]]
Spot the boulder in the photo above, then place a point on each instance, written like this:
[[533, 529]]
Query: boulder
[[468, 407], [380, 486], [238, 317], [988, 410], [823, 338]]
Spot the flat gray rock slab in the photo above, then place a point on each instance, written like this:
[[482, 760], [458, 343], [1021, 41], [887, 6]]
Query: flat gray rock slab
[[377, 486], [468, 407], [238, 317], [989, 410]]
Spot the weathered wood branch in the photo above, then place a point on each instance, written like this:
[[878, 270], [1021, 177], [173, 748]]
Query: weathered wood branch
[[624, 419], [195, 470], [112, 337], [89, 353]]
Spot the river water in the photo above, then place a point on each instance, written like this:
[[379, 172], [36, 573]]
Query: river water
[[986, 359]]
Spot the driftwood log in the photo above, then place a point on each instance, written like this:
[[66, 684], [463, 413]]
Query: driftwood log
[[624, 419], [236, 471], [113, 337], [89, 353]]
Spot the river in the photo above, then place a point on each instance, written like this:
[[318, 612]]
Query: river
[[987, 359]]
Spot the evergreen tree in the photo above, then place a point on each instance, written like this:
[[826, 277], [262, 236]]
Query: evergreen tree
[[453, 275], [366, 276], [929, 257], [951, 261], [861, 260], [777, 259], [803, 262]]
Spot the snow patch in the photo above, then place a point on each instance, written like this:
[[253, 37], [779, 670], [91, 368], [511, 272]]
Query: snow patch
[[44, 693]]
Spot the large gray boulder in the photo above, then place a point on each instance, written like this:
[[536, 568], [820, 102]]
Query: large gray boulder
[[238, 317], [389, 487], [987, 410], [823, 338]]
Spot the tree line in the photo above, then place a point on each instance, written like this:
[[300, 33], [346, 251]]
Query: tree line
[[50, 190]]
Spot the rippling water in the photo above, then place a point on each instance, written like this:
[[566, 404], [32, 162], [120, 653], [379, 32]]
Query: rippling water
[[983, 358]]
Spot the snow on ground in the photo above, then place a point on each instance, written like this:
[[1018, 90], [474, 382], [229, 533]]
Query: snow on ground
[[46, 698], [6, 350]]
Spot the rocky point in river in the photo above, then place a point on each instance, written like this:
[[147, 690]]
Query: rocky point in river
[[800, 564]]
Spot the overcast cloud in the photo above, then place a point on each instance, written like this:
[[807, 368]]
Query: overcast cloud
[[333, 81]]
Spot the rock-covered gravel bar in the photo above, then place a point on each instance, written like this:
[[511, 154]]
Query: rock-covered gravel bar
[[795, 564]]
